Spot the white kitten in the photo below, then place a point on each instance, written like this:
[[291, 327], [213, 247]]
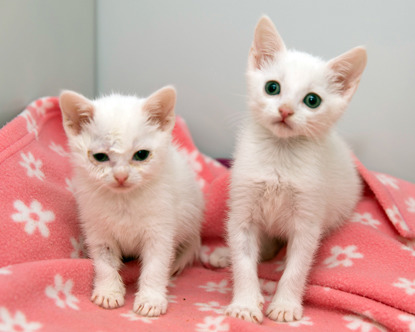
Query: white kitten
[[136, 193], [293, 177]]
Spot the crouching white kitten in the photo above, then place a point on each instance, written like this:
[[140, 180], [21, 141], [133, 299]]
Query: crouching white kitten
[[136, 193], [293, 178]]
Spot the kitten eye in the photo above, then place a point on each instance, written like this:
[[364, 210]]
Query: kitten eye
[[141, 155], [101, 157], [272, 88], [312, 100]]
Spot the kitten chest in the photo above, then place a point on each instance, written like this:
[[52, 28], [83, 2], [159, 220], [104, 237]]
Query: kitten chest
[[125, 223], [275, 207]]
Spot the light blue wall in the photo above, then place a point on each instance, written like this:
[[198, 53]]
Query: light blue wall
[[201, 47], [45, 46]]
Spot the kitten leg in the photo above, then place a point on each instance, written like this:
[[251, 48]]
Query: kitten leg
[[109, 290], [186, 254], [247, 299], [287, 302], [156, 256]]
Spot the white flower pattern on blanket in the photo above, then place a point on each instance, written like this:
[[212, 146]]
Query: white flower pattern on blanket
[[388, 180], [35, 111], [365, 219], [33, 166], [410, 203], [406, 284], [196, 165], [361, 323], [70, 186], [61, 293], [5, 270], [212, 324], [79, 250], [41, 106], [192, 158], [221, 287], [396, 218], [132, 316], [31, 124], [18, 322], [58, 149], [211, 306], [410, 320], [33, 216], [342, 256], [409, 245], [299, 323]]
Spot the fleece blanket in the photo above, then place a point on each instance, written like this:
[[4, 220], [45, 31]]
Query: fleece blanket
[[363, 278]]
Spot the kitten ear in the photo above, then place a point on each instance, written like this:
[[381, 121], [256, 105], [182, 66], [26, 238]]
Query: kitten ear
[[267, 43], [76, 109], [348, 69], [160, 107]]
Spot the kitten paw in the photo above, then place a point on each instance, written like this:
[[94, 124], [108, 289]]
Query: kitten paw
[[150, 306], [110, 300], [249, 313], [220, 257], [284, 312]]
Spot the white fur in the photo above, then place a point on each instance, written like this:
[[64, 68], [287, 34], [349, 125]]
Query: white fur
[[155, 215], [293, 181]]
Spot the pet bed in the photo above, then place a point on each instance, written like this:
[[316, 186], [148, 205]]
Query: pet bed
[[363, 278]]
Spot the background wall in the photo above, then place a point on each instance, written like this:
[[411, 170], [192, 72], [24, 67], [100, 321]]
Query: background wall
[[201, 47], [45, 46]]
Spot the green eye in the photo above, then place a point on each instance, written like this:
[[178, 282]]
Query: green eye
[[141, 155], [101, 157], [312, 100], [272, 88]]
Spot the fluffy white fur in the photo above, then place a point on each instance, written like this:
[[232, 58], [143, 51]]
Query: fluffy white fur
[[151, 209], [293, 177]]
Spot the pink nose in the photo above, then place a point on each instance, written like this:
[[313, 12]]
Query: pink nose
[[121, 178], [285, 111]]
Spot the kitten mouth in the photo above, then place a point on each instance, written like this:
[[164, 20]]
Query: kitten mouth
[[282, 123], [121, 187]]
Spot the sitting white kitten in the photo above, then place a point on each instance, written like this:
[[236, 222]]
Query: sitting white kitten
[[293, 177], [137, 195]]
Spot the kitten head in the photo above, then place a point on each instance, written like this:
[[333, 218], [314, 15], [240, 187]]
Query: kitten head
[[293, 93], [119, 142]]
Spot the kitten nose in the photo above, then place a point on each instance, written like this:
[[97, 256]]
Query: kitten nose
[[121, 177], [285, 111]]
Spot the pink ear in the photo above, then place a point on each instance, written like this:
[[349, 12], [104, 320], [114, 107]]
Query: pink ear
[[267, 43], [348, 69], [76, 111], [160, 107]]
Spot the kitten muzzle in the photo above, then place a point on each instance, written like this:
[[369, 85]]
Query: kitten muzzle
[[285, 112], [121, 179]]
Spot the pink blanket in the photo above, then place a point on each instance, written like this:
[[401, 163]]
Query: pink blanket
[[363, 278]]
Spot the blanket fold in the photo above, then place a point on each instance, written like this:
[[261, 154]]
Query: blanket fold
[[363, 278]]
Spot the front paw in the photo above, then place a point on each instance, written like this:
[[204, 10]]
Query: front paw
[[108, 299], [150, 305], [250, 313], [284, 311]]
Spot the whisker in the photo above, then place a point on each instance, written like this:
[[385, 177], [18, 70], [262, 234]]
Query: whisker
[[239, 95], [234, 120]]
